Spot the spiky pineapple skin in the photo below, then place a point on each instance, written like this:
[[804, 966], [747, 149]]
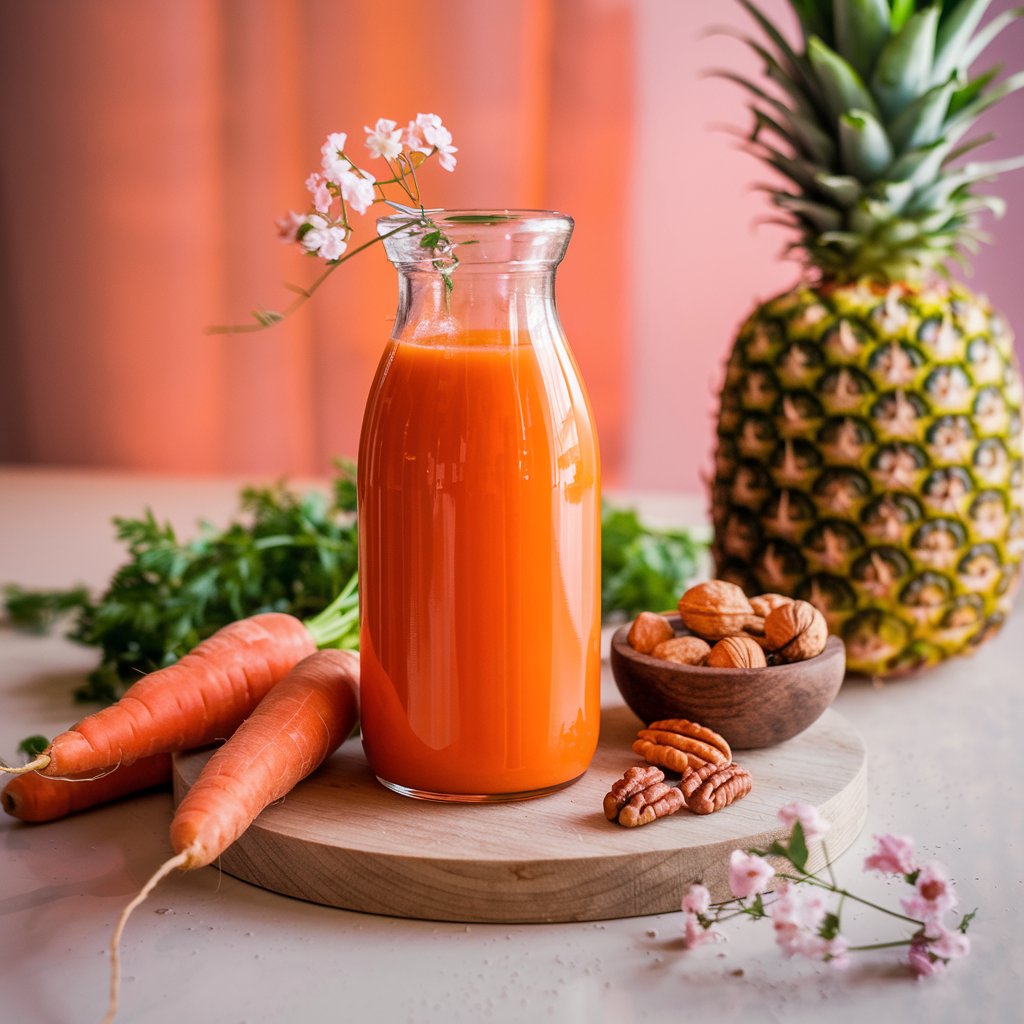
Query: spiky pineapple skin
[[869, 459]]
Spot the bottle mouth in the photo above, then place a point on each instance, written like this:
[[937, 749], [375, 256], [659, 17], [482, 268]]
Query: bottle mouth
[[433, 240]]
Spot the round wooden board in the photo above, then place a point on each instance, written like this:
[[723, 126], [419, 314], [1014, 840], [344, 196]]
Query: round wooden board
[[342, 839]]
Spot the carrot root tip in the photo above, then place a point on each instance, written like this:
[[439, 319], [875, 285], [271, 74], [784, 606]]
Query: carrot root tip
[[180, 860], [35, 765]]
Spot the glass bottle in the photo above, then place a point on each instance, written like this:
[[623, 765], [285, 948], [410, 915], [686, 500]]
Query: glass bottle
[[479, 520]]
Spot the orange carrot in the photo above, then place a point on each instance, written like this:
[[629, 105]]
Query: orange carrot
[[35, 798], [300, 722], [199, 699]]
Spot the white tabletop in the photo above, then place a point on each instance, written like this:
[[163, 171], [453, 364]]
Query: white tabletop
[[945, 760]]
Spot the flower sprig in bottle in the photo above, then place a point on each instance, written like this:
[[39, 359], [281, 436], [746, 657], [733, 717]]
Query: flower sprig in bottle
[[342, 188]]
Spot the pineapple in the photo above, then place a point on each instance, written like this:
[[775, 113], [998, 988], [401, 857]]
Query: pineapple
[[869, 447]]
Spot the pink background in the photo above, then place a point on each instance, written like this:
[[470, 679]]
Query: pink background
[[148, 147], [697, 262]]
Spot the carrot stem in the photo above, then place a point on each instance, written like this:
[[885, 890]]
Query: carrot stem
[[337, 625]]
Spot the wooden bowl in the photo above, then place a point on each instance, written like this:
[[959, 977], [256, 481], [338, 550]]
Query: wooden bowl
[[750, 707]]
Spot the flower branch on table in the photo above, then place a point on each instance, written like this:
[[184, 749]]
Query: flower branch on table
[[806, 911]]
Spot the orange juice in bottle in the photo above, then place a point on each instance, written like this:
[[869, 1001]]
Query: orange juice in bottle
[[479, 523]]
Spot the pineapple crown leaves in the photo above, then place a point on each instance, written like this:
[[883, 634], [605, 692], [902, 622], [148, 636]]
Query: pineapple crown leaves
[[868, 120]]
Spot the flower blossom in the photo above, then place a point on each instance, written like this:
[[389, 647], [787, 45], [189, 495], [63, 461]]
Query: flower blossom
[[813, 824], [921, 961], [894, 855], [412, 139], [357, 189], [797, 917], [317, 185], [441, 139], [331, 152], [695, 934], [326, 241], [288, 225], [384, 139], [748, 874], [697, 900], [933, 894], [946, 944]]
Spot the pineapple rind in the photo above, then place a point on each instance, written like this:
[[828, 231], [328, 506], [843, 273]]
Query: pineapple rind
[[869, 459]]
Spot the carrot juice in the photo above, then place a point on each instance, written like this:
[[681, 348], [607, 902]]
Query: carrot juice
[[479, 546]]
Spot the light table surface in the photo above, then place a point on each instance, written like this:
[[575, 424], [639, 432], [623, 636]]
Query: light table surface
[[945, 763]]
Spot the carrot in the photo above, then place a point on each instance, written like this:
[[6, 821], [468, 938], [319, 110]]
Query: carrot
[[36, 798], [199, 699], [300, 722]]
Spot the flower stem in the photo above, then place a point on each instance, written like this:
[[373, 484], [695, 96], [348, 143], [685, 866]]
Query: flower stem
[[880, 945], [812, 880], [304, 294]]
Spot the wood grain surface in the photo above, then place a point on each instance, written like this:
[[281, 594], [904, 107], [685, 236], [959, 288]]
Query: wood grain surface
[[342, 839]]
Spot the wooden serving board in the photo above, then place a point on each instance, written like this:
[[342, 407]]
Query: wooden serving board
[[342, 839]]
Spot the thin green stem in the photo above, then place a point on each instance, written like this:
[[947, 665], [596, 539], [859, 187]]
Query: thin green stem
[[812, 880], [304, 294], [880, 945]]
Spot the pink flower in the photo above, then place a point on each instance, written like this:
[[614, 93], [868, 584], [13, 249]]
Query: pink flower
[[695, 934], [748, 874], [933, 894], [317, 185], [814, 825], [797, 916], [946, 944], [697, 900], [384, 139], [288, 225], [799, 907], [893, 855], [921, 962]]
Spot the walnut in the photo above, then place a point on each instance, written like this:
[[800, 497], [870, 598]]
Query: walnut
[[648, 630], [684, 650], [641, 796], [711, 787], [796, 631], [716, 609], [737, 652], [765, 604], [677, 743]]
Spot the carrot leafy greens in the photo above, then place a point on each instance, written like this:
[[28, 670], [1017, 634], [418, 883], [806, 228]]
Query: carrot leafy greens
[[285, 552]]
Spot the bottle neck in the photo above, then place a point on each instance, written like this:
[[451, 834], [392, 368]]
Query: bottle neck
[[485, 275], [476, 302]]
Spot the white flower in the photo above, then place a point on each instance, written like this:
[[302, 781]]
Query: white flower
[[438, 137], [412, 140], [384, 139], [357, 189], [326, 241], [333, 162]]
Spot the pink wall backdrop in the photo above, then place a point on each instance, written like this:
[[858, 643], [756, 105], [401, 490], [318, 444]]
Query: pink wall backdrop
[[698, 263], [148, 147]]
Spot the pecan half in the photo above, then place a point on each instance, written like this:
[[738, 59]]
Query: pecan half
[[676, 744], [641, 796], [711, 787]]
